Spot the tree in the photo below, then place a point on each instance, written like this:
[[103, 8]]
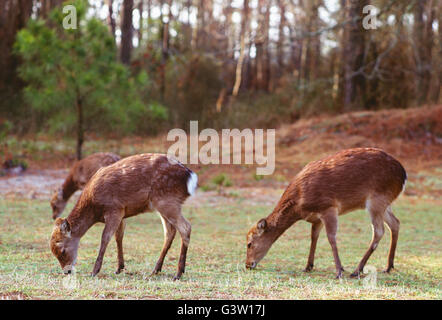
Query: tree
[[354, 54], [281, 36], [13, 17], [423, 14], [110, 17], [239, 66], [73, 77], [126, 32], [261, 44]]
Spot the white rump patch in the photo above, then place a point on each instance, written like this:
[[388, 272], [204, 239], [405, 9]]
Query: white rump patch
[[405, 182], [192, 183]]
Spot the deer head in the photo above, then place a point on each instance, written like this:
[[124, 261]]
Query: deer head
[[63, 245]]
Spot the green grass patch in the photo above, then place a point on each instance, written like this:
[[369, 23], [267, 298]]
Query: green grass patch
[[215, 267]]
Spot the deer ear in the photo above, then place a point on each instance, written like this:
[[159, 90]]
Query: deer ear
[[63, 224], [58, 221], [262, 224]]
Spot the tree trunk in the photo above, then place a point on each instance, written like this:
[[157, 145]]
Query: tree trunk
[[198, 36], [126, 32], [80, 130], [111, 19], [354, 51], [239, 66], [260, 42], [343, 35], [312, 48], [149, 18], [423, 42], [296, 44], [436, 94], [164, 48], [140, 27], [13, 16], [47, 5], [281, 37]]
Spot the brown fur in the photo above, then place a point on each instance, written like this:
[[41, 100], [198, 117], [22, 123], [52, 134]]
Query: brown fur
[[134, 185], [349, 180], [78, 176]]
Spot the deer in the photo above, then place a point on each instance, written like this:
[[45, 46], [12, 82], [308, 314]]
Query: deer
[[78, 176], [134, 185], [325, 189]]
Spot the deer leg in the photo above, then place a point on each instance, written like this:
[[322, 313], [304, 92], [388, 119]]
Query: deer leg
[[119, 238], [184, 228], [169, 235], [393, 224], [112, 222], [316, 229], [172, 213], [377, 221], [330, 220]]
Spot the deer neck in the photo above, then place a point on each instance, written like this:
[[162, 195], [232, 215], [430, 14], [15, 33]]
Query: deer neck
[[282, 218], [80, 221], [68, 187]]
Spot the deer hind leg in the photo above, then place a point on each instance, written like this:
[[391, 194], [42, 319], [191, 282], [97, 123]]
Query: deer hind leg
[[171, 211], [169, 235], [393, 224], [376, 210], [330, 220], [316, 229], [112, 222], [119, 238]]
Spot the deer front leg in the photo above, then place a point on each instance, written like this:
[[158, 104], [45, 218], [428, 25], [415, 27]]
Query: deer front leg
[[316, 229], [112, 222], [330, 220], [169, 235], [119, 238]]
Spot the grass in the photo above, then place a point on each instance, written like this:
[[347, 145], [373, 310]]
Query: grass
[[215, 265]]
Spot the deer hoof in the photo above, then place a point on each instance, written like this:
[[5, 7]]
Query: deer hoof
[[388, 270], [308, 268], [355, 274], [155, 271], [339, 273]]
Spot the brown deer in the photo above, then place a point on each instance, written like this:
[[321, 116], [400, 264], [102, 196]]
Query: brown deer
[[133, 185], [349, 180], [77, 178]]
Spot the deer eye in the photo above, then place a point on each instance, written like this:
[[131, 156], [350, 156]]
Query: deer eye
[[249, 245]]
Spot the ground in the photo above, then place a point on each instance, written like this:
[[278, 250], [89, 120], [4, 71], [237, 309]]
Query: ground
[[215, 266], [221, 217]]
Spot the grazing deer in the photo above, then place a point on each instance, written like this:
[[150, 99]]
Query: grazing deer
[[77, 178], [349, 180], [131, 186]]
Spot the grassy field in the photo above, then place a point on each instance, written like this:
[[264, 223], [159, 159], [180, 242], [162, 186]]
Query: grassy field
[[215, 265]]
